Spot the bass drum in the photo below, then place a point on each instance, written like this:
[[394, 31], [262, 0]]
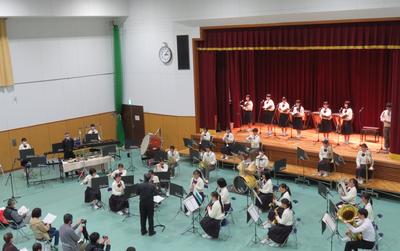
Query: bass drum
[[150, 142], [242, 184]]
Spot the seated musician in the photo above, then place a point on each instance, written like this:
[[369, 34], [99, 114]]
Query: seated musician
[[285, 194], [43, 231], [325, 164], [92, 195], [208, 163], [93, 130], [196, 189], [265, 192], [254, 140], [155, 180], [173, 159], [215, 214], [118, 202], [298, 114], [205, 138], [284, 109], [228, 140], [261, 162], [161, 167], [349, 197], [278, 234], [365, 164], [365, 227], [223, 191], [120, 170], [326, 116], [24, 146], [346, 114], [366, 203]]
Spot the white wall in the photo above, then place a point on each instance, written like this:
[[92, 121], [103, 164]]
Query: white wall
[[164, 89], [63, 68]]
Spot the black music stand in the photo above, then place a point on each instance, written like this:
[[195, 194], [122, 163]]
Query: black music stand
[[128, 180], [91, 138], [324, 193], [160, 155], [100, 182], [26, 153], [57, 148], [301, 156], [109, 150], [165, 179], [38, 162], [194, 155], [279, 165], [177, 191], [238, 149], [189, 143], [129, 193]]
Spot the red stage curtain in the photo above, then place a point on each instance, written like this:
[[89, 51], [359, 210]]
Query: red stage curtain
[[367, 77]]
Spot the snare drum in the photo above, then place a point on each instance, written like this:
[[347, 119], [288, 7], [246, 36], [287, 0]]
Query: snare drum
[[150, 142], [242, 184]]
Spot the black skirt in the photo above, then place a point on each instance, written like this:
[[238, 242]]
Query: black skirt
[[326, 126], [279, 233], [92, 194], [298, 123], [210, 226], [118, 203], [266, 199], [247, 117], [347, 127], [268, 117], [227, 149], [362, 171], [325, 165], [283, 120]]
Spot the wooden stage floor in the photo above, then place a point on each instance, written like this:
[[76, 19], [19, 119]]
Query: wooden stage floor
[[386, 174]]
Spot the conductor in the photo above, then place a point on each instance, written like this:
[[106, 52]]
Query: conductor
[[146, 191]]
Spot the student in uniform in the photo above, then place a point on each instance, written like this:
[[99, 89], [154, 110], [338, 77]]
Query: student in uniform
[[261, 162], [247, 107], [208, 163], [276, 204], [298, 114], [223, 191], [265, 192], [278, 233], [24, 146], [254, 140], [215, 214], [268, 114], [173, 159], [92, 195], [367, 203], [120, 170], [155, 180], [196, 189], [325, 164], [326, 120], [205, 139], [284, 110], [93, 130], [161, 167], [346, 114], [351, 193], [366, 228], [365, 164], [118, 202], [228, 140], [386, 119]]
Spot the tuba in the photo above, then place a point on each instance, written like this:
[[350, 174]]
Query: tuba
[[348, 214]]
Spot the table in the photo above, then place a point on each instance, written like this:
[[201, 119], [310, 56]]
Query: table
[[76, 164], [369, 130]]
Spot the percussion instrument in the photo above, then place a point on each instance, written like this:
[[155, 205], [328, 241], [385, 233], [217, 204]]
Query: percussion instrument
[[316, 119], [150, 142], [337, 121], [243, 183], [247, 169]]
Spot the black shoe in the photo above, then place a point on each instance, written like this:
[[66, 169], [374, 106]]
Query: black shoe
[[144, 233], [152, 233]]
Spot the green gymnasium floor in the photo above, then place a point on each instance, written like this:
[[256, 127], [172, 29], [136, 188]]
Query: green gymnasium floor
[[59, 198]]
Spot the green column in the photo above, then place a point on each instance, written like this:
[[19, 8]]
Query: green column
[[118, 84]]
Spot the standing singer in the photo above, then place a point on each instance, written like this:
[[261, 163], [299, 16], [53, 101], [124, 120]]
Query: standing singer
[[284, 110], [268, 113], [386, 119], [298, 114], [346, 114], [247, 107], [326, 116]]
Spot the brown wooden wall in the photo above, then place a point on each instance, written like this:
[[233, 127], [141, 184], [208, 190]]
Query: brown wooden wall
[[42, 136]]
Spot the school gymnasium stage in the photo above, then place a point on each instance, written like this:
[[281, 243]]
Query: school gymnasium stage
[[386, 177]]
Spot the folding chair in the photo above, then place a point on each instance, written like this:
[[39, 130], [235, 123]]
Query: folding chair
[[19, 230]]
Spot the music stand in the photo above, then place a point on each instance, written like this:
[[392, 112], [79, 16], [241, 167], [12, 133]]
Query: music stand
[[191, 205], [57, 148], [129, 193], [205, 144], [194, 155], [324, 192], [189, 143], [255, 216], [238, 148], [26, 153], [328, 221], [100, 182], [160, 155], [109, 150], [38, 162], [92, 138], [177, 191], [165, 179], [279, 165], [128, 180], [302, 155]]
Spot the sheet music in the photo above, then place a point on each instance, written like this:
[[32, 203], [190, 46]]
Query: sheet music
[[329, 222], [191, 203], [253, 213], [49, 219], [157, 199], [23, 210]]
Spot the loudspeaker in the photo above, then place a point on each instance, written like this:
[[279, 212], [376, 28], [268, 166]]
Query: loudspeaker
[[182, 42], [133, 123]]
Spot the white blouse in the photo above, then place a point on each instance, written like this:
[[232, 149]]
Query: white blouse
[[115, 172], [286, 195], [248, 106], [88, 180], [328, 154], [327, 112], [282, 106], [161, 168], [266, 187], [287, 217], [210, 157], [118, 191], [364, 160], [347, 114], [228, 138], [224, 193], [254, 140], [173, 154], [269, 103], [199, 186], [262, 161], [351, 195], [24, 146], [368, 207], [215, 211], [386, 118], [298, 112]]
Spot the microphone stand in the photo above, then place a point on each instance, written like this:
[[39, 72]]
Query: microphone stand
[[359, 122], [241, 116], [11, 179], [259, 115]]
